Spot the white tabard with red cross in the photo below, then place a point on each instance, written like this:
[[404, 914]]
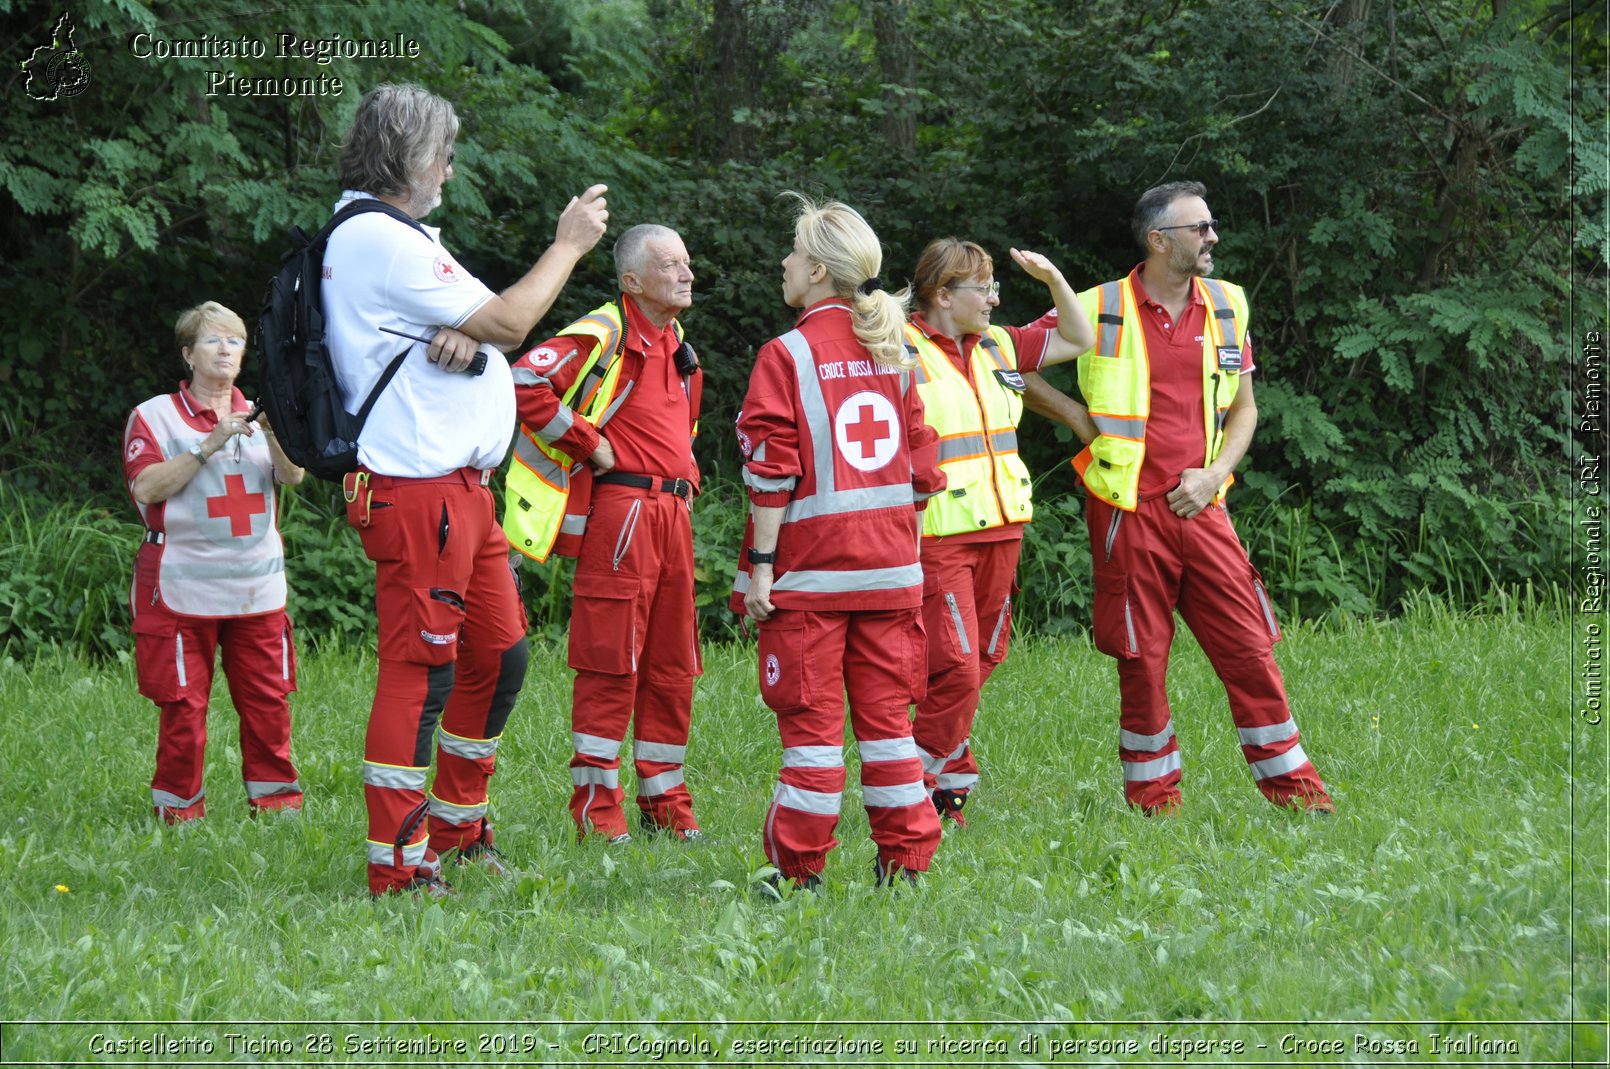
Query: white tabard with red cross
[[221, 550]]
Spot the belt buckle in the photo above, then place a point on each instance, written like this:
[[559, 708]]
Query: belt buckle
[[682, 488]]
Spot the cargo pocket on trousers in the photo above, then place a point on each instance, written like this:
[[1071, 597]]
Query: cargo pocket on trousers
[[784, 683], [429, 632], [918, 650], [603, 627], [1114, 624], [159, 657], [942, 623]]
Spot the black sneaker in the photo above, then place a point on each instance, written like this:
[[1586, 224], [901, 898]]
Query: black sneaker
[[895, 877], [653, 830], [485, 855], [949, 804], [778, 887]]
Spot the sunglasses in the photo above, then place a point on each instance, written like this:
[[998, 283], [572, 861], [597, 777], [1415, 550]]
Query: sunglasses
[[1200, 228]]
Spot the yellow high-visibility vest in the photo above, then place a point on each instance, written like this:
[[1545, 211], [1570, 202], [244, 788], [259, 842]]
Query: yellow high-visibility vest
[[538, 485], [1116, 380], [976, 416]]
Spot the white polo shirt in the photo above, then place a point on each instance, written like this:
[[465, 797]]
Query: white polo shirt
[[379, 272]]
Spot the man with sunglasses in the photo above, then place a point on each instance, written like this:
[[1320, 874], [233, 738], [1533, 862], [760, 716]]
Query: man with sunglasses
[[1169, 390]]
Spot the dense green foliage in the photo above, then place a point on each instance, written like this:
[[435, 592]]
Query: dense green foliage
[[1461, 880], [1414, 195]]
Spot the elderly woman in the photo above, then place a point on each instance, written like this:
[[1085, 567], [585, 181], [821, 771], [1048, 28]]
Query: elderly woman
[[971, 380], [837, 460], [211, 572]]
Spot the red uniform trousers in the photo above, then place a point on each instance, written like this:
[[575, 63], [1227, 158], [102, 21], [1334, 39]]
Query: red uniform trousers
[[967, 611], [453, 649], [808, 660], [1146, 564], [174, 658], [634, 645]]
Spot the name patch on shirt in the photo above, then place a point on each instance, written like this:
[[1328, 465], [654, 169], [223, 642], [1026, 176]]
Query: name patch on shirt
[[1229, 358], [1012, 380]]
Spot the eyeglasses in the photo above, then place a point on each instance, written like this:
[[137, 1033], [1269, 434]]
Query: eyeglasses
[[1200, 228], [993, 289]]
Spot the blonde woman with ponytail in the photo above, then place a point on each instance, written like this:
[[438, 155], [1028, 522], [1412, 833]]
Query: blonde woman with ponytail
[[838, 461]]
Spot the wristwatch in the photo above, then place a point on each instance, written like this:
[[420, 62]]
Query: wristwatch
[[195, 451], [758, 557]]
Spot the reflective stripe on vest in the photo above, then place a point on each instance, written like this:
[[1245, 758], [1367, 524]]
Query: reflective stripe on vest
[[976, 418], [828, 500], [1115, 378], [538, 485]]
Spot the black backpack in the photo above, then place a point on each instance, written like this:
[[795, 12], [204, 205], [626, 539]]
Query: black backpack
[[298, 386]]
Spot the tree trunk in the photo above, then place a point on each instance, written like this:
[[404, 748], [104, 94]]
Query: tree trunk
[[732, 79], [897, 64]]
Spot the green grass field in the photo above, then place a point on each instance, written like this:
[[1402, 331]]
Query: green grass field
[[1459, 891]]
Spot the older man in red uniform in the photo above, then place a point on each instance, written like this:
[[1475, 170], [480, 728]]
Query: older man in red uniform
[[633, 637]]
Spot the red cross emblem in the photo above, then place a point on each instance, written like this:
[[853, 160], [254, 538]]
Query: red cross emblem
[[866, 430], [238, 505]]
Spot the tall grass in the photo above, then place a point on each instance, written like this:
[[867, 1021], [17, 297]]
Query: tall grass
[[1461, 883], [66, 566]]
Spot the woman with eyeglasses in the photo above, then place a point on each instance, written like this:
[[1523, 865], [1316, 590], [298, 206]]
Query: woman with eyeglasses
[[970, 376], [211, 571]]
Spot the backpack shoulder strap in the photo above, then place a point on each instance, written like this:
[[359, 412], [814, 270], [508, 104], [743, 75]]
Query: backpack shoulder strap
[[357, 208], [364, 207]]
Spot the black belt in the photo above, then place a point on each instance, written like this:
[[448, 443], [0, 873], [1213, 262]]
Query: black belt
[[680, 487]]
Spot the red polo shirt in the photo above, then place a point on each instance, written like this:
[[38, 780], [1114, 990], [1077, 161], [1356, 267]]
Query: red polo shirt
[[1175, 438]]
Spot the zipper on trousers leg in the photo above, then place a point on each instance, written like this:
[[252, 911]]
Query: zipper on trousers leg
[[628, 528]]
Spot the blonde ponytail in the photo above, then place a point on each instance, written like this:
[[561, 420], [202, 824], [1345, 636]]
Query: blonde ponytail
[[834, 235]]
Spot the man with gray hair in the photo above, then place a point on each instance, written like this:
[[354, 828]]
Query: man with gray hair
[[452, 644], [1170, 414], [603, 471]]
